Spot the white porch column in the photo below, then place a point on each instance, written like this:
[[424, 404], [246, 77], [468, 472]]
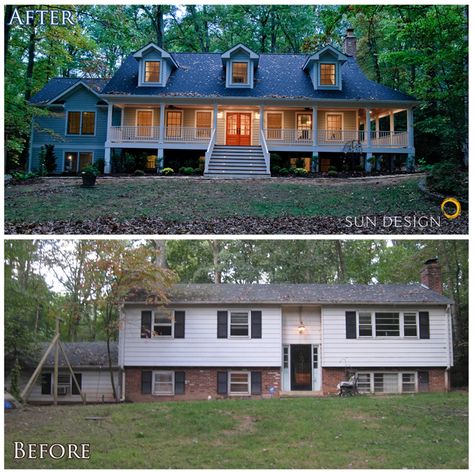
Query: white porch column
[[368, 135], [377, 126], [107, 165], [262, 117], [214, 117], [162, 123], [392, 123], [315, 157]]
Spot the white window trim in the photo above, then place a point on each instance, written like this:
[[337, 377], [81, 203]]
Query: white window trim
[[239, 84], [153, 382], [328, 138], [78, 152], [401, 317], [157, 336], [80, 134], [336, 72], [195, 120], [400, 380], [143, 68], [229, 312], [240, 372], [281, 124]]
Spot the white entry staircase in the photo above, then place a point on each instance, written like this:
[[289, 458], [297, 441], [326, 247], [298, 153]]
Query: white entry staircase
[[237, 162]]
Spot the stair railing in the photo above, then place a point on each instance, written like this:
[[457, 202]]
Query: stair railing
[[266, 153], [210, 149]]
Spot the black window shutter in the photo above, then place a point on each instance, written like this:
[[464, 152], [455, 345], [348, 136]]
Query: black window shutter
[[145, 332], [146, 381], [46, 383], [222, 324], [424, 325], [75, 391], [222, 383], [256, 317], [256, 383], [179, 317], [351, 329], [179, 385]]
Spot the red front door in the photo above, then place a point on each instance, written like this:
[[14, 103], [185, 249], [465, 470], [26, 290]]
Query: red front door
[[238, 129]]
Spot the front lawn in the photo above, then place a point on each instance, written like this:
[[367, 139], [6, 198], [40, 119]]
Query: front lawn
[[412, 431]]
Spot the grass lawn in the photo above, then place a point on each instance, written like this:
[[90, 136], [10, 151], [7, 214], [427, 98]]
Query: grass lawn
[[175, 199], [411, 431]]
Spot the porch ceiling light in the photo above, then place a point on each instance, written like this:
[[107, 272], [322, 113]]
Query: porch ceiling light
[[301, 328], [257, 115], [220, 114]]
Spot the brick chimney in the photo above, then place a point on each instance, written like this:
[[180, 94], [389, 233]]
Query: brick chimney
[[350, 43], [431, 275]]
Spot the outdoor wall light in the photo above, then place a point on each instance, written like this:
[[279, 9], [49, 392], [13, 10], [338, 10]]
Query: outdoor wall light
[[257, 115], [301, 328], [220, 115]]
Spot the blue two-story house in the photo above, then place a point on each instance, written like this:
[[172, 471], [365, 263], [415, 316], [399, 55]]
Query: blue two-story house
[[233, 108]]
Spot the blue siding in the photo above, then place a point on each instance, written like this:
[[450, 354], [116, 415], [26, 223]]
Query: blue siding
[[79, 100]]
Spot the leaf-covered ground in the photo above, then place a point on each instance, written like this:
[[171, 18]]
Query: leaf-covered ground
[[201, 206], [428, 431]]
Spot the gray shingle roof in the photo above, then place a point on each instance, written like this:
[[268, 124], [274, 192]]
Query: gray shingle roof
[[81, 354], [278, 76], [58, 85], [299, 294]]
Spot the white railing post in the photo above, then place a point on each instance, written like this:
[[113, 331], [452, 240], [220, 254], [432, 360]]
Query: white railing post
[[368, 129], [209, 150], [266, 153], [315, 125], [261, 112], [392, 124]]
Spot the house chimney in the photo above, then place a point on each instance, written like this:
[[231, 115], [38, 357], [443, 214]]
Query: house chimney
[[350, 43], [431, 275]]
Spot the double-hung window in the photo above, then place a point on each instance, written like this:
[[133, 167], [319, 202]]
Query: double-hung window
[[163, 382], [365, 324], [327, 74], [239, 383], [162, 324], [80, 123], [410, 328], [152, 71], [387, 324], [239, 323], [240, 72]]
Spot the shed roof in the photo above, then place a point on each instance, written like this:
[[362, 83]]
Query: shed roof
[[297, 294]]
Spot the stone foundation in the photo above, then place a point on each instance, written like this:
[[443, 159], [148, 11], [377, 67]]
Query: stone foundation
[[200, 383], [331, 376]]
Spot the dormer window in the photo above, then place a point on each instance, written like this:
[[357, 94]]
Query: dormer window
[[327, 74], [240, 73], [240, 64], [152, 71]]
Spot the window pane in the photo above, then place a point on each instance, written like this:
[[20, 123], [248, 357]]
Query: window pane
[[327, 74], [74, 123], [70, 161], [387, 324], [85, 158], [152, 71], [408, 383], [239, 382], [315, 357], [163, 383], [363, 383], [409, 324], [88, 122], [239, 324], [285, 357], [386, 383], [365, 324], [64, 379], [162, 324], [203, 124], [239, 73]]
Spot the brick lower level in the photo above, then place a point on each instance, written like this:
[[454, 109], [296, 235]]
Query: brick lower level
[[331, 376], [200, 383]]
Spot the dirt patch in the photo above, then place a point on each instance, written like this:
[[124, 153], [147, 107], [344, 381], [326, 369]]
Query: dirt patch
[[242, 225], [245, 425]]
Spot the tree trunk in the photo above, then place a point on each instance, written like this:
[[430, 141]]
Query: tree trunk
[[216, 251], [341, 263], [160, 253]]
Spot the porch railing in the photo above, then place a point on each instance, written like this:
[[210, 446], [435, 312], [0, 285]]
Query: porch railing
[[187, 135], [134, 134], [395, 139], [209, 150], [266, 153]]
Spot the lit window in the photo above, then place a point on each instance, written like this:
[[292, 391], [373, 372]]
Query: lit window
[[88, 123], [409, 324], [365, 324], [327, 74], [74, 123], [152, 71], [163, 383], [387, 324], [239, 73], [239, 324], [162, 324], [239, 383], [81, 123]]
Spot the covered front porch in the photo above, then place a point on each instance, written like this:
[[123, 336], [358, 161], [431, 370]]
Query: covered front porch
[[315, 129]]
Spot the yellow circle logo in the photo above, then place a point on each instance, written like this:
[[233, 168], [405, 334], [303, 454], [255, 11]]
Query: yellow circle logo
[[456, 203]]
